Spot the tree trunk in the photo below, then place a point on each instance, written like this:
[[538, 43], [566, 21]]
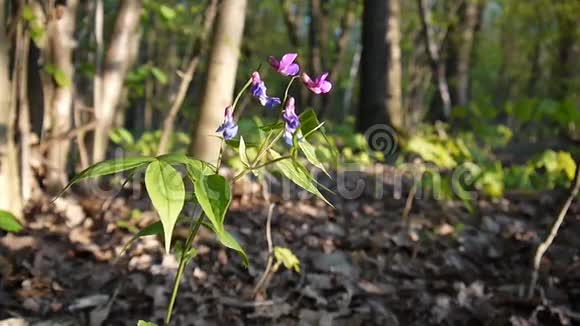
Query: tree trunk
[[199, 49], [346, 24], [117, 62], [291, 21], [466, 41], [373, 85], [61, 45], [437, 64], [394, 74], [10, 199], [221, 78]]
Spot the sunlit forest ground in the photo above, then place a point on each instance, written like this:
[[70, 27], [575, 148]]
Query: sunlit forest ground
[[434, 151]]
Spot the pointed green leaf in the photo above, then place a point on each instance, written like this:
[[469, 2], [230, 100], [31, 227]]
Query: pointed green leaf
[[235, 143], [151, 229], [8, 222], [309, 124], [274, 126], [167, 12], [308, 121], [243, 154], [225, 238], [311, 156], [159, 75], [229, 241], [107, 168], [175, 158], [167, 193], [214, 195], [293, 170], [196, 169]]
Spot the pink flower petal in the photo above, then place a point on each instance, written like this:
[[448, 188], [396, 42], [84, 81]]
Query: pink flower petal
[[287, 60]]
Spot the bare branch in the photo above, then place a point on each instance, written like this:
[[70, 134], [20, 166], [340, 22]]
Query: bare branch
[[543, 247]]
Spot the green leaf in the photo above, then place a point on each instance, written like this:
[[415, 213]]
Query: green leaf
[[214, 195], [309, 122], [167, 12], [145, 323], [274, 126], [167, 193], [225, 238], [311, 156], [287, 257], [568, 164], [243, 154], [121, 136], [159, 75], [235, 143], [107, 168], [28, 13], [58, 74], [197, 169], [8, 222], [175, 159], [293, 170], [229, 241], [152, 229]]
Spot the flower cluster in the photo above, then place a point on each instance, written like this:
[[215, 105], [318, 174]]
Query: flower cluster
[[286, 67]]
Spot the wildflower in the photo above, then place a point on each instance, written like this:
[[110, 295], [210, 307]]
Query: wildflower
[[229, 128], [259, 92], [286, 66], [292, 121], [319, 85]]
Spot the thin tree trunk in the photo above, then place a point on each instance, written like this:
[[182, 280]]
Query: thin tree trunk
[[437, 64], [347, 22], [199, 49], [150, 82], [394, 74], [61, 44], [291, 21], [10, 199], [20, 96], [117, 63], [221, 78], [466, 42]]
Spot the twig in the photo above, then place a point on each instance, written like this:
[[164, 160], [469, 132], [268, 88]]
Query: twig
[[73, 133], [409, 205], [543, 247], [266, 275]]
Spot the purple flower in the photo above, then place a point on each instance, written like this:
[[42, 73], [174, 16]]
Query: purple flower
[[286, 66], [319, 85], [229, 128], [292, 121], [259, 91]]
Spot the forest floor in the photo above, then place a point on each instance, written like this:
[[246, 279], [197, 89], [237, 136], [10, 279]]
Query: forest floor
[[361, 264]]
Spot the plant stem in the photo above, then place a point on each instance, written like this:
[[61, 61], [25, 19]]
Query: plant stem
[[244, 171], [269, 146], [248, 83], [288, 89], [181, 266]]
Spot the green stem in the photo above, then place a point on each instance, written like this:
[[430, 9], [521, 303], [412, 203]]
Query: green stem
[[181, 267], [288, 89], [269, 146], [244, 171], [248, 83]]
